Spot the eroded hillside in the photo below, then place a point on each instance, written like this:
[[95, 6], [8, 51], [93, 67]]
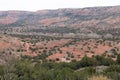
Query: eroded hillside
[[94, 22]]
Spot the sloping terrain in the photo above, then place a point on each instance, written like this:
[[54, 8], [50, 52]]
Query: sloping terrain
[[12, 47], [94, 22], [61, 35], [59, 49]]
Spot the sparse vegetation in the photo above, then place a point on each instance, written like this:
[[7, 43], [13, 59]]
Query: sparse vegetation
[[100, 77], [64, 44]]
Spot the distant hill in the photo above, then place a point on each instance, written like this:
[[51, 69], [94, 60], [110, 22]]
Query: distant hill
[[96, 21]]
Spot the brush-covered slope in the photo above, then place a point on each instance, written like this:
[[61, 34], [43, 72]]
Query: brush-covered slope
[[95, 21]]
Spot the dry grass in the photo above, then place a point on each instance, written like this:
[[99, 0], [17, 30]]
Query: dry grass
[[100, 77]]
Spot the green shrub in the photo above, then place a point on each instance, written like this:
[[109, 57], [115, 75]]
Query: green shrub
[[113, 68], [86, 61]]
